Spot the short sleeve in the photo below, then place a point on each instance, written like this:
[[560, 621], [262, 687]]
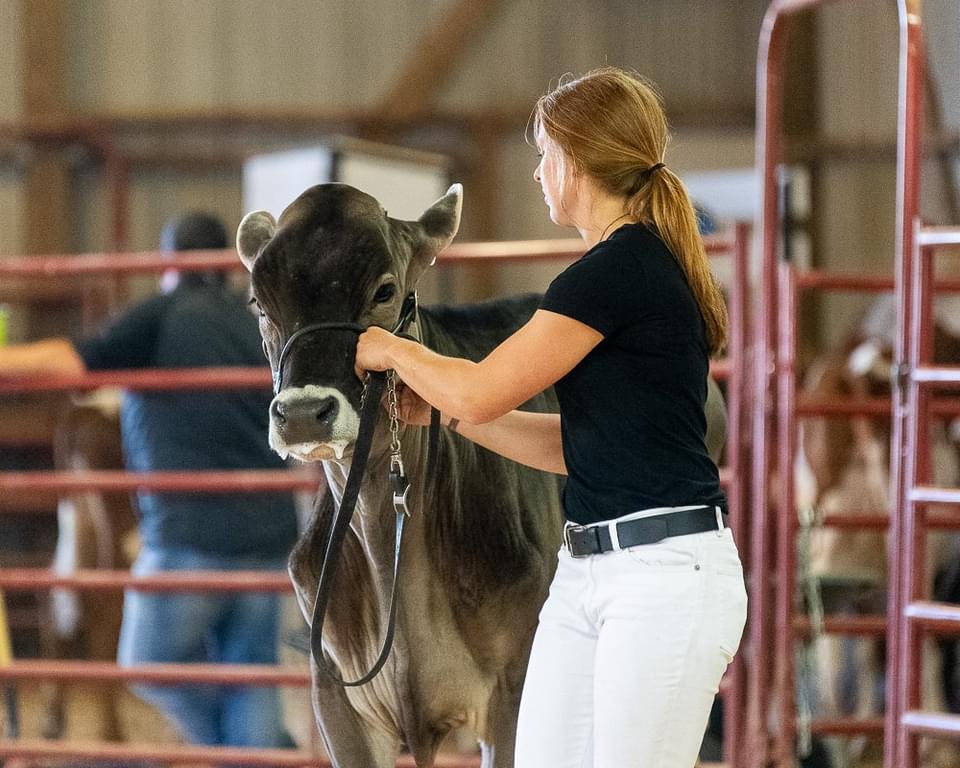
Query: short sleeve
[[603, 289], [129, 341]]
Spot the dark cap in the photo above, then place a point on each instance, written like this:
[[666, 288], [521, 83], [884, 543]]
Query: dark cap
[[195, 231]]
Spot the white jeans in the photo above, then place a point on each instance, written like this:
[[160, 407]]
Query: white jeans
[[629, 654]]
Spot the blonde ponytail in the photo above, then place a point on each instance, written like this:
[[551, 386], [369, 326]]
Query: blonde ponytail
[[664, 205], [611, 125]]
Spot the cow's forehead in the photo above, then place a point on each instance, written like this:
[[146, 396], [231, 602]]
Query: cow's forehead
[[333, 205], [332, 235]]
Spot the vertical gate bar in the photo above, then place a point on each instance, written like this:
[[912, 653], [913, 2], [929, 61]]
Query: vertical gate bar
[[769, 114], [734, 704], [897, 746], [786, 513]]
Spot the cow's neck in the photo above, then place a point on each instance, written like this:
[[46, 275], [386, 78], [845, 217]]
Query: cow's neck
[[374, 490], [373, 517]]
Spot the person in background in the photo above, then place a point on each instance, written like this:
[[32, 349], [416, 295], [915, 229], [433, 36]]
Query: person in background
[[196, 321], [648, 603]]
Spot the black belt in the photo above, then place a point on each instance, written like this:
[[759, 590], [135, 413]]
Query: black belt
[[581, 541]]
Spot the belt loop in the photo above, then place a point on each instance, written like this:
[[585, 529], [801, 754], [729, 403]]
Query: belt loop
[[719, 520], [614, 536]]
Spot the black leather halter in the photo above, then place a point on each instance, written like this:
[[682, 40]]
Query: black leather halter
[[407, 313]]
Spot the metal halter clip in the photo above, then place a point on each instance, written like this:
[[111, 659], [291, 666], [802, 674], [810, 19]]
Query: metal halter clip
[[400, 484]]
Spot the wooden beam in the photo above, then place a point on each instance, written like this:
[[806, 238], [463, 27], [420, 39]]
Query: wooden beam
[[434, 56], [47, 206], [477, 282], [44, 57]]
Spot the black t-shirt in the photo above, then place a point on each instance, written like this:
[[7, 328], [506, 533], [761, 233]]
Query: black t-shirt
[[632, 413], [195, 327]]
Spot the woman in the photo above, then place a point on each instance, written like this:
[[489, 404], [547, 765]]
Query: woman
[[648, 603]]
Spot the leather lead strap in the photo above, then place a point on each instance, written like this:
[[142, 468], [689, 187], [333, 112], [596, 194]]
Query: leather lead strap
[[368, 423]]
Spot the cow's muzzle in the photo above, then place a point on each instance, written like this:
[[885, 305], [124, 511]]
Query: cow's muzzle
[[313, 414], [312, 423]]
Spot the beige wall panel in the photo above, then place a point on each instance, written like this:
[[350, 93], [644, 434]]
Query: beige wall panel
[[943, 46], [857, 203], [858, 51], [159, 197], [11, 214], [153, 198], [11, 75], [683, 45], [164, 54], [858, 45], [92, 225], [156, 54], [113, 55]]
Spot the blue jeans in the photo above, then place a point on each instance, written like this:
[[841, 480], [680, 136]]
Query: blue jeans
[[199, 627]]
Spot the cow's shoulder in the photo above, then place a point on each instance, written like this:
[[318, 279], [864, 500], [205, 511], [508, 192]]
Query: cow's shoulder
[[473, 330], [494, 525]]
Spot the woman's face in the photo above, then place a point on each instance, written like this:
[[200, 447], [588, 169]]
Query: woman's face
[[556, 182]]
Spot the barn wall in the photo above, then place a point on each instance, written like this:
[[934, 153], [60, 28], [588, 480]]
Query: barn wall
[[857, 107], [136, 56], [10, 75], [141, 57]]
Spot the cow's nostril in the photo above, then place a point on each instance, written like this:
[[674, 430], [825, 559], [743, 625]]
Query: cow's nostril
[[325, 409], [278, 413]]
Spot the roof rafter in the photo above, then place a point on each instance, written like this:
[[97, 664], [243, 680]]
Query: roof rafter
[[434, 56]]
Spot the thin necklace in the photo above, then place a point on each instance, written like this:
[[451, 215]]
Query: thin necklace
[[604, 233]]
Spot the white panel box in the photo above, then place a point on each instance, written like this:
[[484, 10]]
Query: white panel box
[[406, 182]]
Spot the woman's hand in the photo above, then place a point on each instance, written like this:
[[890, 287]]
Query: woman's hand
[[413, 409], [373, 350]]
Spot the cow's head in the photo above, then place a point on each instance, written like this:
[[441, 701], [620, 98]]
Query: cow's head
[[335, 256]]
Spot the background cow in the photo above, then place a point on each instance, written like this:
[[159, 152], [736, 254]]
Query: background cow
[[95, 530], [480, 548]]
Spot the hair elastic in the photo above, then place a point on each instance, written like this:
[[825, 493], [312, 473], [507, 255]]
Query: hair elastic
[[644, 177]]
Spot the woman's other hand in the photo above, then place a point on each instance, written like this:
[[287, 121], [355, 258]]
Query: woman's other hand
[[413, 409]]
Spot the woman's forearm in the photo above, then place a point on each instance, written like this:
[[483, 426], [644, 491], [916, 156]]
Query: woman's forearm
[[49, 356], [532, 439], [447, 383]]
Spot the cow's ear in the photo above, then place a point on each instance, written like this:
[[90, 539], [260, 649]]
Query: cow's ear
[[441, 220], [256, 229]]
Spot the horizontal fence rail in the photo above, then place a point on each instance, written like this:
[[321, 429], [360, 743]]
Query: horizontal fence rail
[[26, 271]]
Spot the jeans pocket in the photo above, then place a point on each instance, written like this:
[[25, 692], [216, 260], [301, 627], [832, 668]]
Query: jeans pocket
[[731, 605], [674, 554]]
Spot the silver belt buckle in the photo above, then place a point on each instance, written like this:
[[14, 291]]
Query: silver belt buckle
[[567, 527]]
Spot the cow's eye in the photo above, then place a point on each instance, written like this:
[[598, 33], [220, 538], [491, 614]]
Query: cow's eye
[[385, 293], [255, 307]]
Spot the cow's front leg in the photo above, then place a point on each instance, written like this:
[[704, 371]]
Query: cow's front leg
[[497, 746], [350, 741]]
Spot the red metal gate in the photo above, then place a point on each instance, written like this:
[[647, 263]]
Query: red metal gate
[[772, 717], [733, 245]]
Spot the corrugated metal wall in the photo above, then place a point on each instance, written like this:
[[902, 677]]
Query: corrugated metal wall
[[161, 56], [136, 56]]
